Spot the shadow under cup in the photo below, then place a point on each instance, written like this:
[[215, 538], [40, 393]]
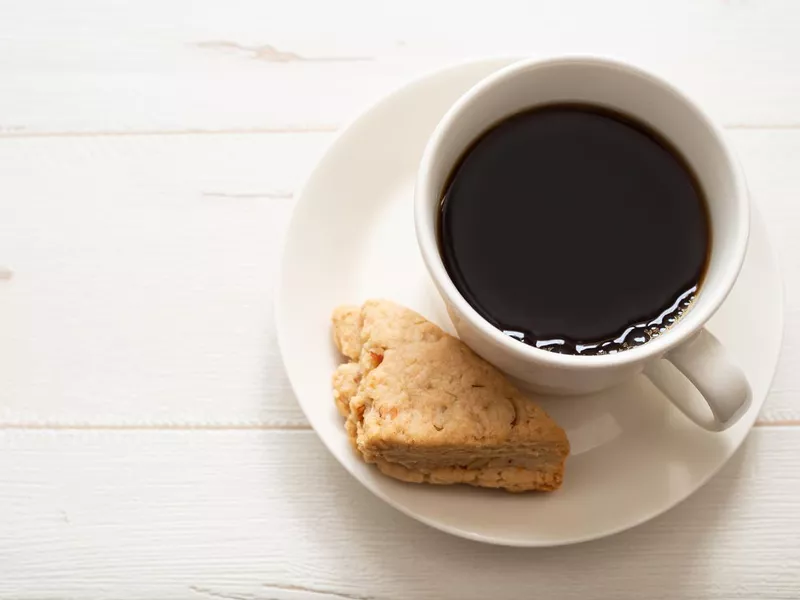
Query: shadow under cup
[[624, 89]]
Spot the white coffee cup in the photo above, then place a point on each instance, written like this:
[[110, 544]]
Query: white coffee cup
[[688, 346]]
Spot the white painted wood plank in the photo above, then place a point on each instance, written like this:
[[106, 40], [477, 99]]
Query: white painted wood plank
[[142, 278], [258, 515], [140, 275], [90, 66]]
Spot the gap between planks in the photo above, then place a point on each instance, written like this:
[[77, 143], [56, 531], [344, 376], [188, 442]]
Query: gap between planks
[[21, 133], [790, 423], [156, 427]]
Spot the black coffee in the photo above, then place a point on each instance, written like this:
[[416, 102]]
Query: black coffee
[[575, 229]]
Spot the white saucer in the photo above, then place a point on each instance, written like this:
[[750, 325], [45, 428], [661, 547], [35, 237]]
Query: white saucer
[[352, 238]]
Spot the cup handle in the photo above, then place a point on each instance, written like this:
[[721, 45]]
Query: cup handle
[[703, 374]]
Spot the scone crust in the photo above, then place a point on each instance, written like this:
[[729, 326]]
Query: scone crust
[[512, 479], [347, 331]]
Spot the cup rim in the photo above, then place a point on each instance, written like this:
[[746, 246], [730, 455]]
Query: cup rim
[[430, 252]]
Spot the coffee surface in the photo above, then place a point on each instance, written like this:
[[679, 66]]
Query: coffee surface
[[575, 229]]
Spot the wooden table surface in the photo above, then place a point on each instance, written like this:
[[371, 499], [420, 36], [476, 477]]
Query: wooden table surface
[[150, 445]]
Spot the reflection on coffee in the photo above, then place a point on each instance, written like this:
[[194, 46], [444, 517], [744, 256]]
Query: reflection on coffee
[[575, 229]]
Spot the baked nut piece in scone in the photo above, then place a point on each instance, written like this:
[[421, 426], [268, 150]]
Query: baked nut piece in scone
[[423, 407]]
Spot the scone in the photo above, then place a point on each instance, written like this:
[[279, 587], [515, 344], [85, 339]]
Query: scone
[[423, 407]]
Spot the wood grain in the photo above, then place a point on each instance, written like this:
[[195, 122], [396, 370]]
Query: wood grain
[[270, 515], [143, 272], [246, 64]]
